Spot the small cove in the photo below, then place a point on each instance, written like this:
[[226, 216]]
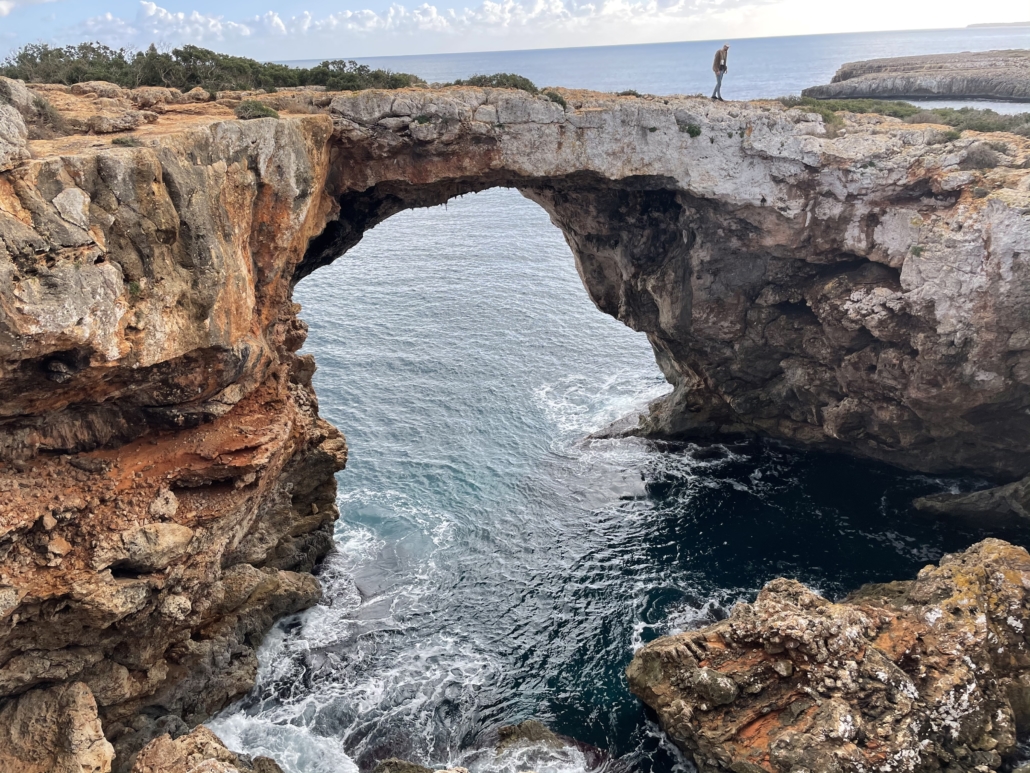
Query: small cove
[[492, 564]]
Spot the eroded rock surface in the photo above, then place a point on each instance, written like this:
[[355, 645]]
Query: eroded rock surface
[[970, 75], [53, 731], [170, 485], [924, 675], [166, 484], [198, 752]]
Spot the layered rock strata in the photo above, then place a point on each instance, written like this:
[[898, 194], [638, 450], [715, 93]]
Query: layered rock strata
[[167, 483], [998, 75], [926, 675]]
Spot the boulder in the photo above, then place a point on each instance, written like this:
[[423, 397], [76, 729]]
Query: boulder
[[931, 674], [53, 731], [14, 146], [102, 89], [198, 752], [17, 94]]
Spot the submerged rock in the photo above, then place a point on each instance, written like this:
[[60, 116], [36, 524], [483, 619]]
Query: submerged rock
[[931, 674], [530, 731], [1012, 499], [394, 765]]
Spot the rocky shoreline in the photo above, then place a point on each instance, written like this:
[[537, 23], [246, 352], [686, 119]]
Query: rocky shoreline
[[168, 484], [993, 75], [923, 675]]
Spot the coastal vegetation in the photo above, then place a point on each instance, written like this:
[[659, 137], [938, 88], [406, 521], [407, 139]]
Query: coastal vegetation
[[960, 119], [501, 80], [188, 67], [249, 108]]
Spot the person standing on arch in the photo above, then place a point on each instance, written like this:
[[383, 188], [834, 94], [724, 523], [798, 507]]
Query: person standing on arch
[[719, 68]]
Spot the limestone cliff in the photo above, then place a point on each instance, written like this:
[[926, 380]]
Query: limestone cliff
[[1003, 75], [167, 483]]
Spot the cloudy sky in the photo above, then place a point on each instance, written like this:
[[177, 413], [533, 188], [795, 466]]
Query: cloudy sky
[[309, 29]]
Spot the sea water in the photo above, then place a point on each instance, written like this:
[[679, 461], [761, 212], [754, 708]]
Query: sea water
[[493, 564]]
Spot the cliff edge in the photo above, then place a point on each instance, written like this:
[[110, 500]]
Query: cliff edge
[[999, 75]]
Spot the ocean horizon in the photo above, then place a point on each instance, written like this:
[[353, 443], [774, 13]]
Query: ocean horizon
[[758, 68]]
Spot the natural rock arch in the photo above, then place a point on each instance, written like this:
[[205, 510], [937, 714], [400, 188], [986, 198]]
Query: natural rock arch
[[168, 484], [838, 293]]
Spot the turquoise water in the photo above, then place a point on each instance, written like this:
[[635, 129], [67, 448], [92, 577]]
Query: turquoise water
[[495, 565]]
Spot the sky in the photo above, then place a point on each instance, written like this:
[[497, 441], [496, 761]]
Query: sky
[[281, 30]]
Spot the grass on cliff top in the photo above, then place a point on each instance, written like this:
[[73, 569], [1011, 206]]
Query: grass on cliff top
[[188, 67], [249, 109], [960, 119], [500, 80]]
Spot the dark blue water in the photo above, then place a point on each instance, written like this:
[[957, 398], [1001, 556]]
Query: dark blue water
[[494, 565]]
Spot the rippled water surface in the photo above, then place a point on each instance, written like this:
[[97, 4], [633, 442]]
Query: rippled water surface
[[493, 565]]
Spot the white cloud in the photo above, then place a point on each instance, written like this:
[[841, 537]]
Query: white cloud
[[6, 6], [433, 26], [495, 18]]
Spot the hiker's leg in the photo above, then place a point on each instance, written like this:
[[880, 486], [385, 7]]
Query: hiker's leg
[[718, 86]]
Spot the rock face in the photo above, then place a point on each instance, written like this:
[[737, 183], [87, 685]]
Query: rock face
[[166, 485], [170, 485], [1003, 75], [53, 731], [926, 675]]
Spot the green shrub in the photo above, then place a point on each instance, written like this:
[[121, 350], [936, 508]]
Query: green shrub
[[420, 119], [554, 96], [629, 93], [980, 156], [188, 67], [249, 109], [973, 119], [47, 115], [134, 289], [126, 142], [691, 128], [962, 119], [917, 251], [501, 80]]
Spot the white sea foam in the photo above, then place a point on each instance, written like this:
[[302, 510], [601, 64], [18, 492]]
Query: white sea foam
[[295, 747]]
